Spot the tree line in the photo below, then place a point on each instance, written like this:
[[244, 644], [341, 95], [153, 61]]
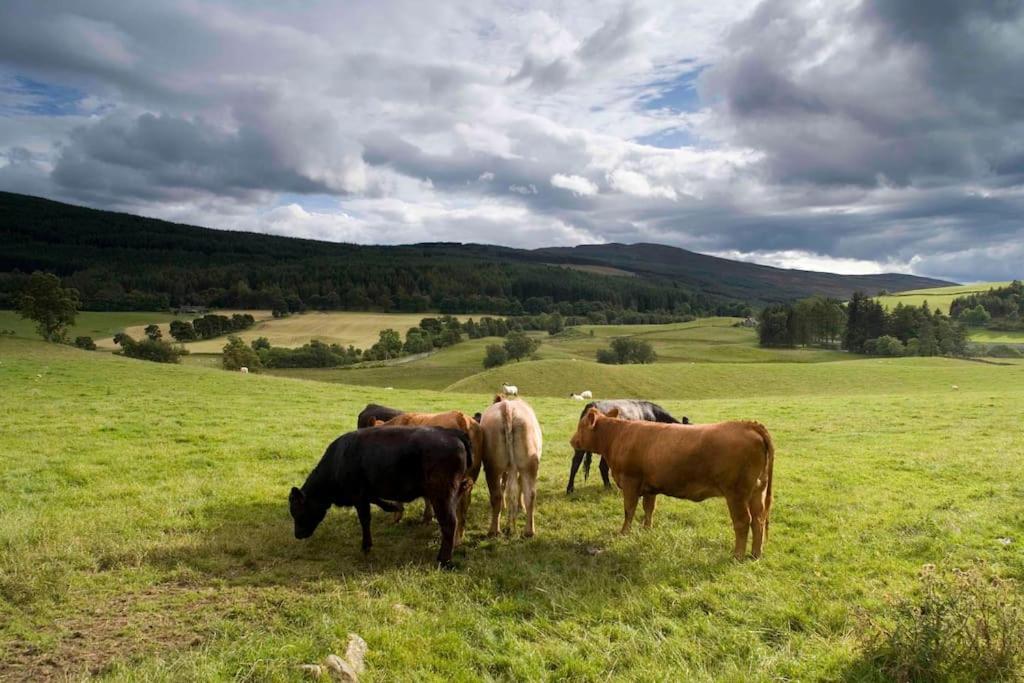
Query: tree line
[[862, 325], [122, 262], [1000, 308]]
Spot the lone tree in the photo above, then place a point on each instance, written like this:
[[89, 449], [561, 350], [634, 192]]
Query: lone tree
[[51, 306], [518, 345]]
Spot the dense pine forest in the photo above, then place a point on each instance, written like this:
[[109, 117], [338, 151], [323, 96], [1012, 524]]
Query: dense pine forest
[[118, 261], [123, 262]]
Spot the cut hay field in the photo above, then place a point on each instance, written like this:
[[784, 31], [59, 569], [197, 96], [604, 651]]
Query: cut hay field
[[937, 297], [337, 327], [144, 530]]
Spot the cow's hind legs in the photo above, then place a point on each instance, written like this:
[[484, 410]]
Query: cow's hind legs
[[759, 518], [740, 514], [428, 512], [494, 488], [528, 482], [649, 500], [465, 498], [363, 510], [603, 466]]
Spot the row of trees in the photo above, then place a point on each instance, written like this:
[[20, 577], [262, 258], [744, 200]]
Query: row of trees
[[209, 326], [999, 308], [862, 325]]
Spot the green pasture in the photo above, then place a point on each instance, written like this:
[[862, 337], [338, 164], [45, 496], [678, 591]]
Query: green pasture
[[937, 297], [144, 531], [95, 324]]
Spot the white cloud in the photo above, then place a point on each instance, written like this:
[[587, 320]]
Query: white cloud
[[540, 119], [574, 183]]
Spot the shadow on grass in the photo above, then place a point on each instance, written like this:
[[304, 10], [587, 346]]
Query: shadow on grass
[[252, 544]]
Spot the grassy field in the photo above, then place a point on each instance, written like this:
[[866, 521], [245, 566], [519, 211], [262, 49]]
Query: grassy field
[[938, 297], [144, 532], [997, 336], [98, 325], [342, 327], [708, 340]]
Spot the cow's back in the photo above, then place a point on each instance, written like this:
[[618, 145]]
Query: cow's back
[[393, 463], [691, 461]]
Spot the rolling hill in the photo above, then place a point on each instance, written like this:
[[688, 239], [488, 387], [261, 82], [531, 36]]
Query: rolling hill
[[124, 262]]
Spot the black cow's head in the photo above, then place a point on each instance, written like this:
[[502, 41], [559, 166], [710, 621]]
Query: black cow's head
[[307, 513]]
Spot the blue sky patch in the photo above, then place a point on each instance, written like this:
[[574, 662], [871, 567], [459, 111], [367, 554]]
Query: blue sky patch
[[22, 95], [678, 94]]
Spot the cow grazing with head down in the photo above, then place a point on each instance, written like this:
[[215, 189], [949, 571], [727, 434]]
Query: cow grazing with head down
[[453, 419], [629, 409], [374, 466], [372, 412], [693, 462], [512, 448]]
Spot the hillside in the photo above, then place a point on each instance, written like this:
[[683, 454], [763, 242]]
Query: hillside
[[124, 262], [733, 279]]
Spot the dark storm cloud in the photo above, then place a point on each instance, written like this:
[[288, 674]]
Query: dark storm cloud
[[889, 92], [883, 131]]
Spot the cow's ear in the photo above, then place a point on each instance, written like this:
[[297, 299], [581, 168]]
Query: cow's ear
[[614, 412], [591, 418], [377, 422]]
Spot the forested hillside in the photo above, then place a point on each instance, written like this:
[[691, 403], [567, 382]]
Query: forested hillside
[[122, 262]]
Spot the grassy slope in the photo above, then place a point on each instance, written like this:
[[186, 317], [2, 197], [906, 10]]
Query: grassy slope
[[709, 340], [939, 297], [145, 532], [98, 325], [997, 336]]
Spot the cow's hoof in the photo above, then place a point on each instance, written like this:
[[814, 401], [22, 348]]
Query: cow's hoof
[[445, 565], [528, 534], [366, 549]]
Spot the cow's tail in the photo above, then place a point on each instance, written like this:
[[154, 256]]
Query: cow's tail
[[586, 464], [512, 483], [467, 442], [769, 450]]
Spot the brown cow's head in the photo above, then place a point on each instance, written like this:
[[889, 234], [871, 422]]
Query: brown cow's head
[[582, 440]]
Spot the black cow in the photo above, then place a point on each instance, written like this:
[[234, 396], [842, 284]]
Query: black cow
[[629, 409], [372, 412], [382, 464]]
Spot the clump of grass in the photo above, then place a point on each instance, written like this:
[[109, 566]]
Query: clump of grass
[[964, 625]]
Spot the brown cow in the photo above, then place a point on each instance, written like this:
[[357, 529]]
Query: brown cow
[[512, 447], [693, 462], [453, 419]]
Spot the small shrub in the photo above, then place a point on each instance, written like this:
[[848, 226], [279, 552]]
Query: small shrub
[[495, 356], [237, 354], [1003, 351], [886, 346], [154, 350], [963, 626], [626, 350], [85, 343]]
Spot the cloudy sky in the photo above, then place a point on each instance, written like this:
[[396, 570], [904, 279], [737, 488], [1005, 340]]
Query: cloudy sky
[[855, 136]]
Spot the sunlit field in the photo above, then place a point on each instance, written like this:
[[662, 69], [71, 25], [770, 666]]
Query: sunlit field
[[938, 298], [145, 530]]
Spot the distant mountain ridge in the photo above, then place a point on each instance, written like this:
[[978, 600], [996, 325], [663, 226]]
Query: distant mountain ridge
[[121, 261], [733, 279]]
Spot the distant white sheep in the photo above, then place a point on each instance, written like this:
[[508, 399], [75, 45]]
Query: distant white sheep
[[244, 370], [586, 394], [576, 397], [956, 388], [509, 389]]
